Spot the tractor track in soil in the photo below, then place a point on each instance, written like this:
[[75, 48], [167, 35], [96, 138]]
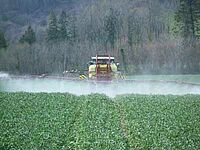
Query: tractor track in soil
[[76, 119], [123, 126]]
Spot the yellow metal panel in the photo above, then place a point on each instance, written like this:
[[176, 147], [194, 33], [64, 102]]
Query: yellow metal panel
[[92, 69], [113, 67]]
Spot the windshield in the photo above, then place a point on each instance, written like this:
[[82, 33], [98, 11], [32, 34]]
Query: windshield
[[103, 61]]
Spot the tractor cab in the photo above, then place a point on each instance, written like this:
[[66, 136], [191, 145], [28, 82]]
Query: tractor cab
[[102, 67]]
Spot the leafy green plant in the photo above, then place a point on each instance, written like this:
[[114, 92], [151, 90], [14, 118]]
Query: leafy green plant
[[65, 121]]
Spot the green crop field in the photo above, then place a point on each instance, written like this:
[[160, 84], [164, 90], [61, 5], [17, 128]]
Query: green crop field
[[65, 121]]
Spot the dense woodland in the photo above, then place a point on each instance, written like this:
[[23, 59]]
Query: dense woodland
[[145, 36]]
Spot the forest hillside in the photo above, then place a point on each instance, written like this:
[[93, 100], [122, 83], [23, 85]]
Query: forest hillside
[[145, 36]]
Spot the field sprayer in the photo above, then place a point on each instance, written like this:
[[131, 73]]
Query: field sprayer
[[103, 67]]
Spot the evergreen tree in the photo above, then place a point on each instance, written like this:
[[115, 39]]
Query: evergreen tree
[[3, 43], [28, 36], [66, 27], [111, 27], [62, 27], [134, 30], [52, 30], [72, 27], [188, 17]]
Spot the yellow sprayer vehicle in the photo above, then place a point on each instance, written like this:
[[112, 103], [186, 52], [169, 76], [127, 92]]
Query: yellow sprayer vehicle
[[103, 67]]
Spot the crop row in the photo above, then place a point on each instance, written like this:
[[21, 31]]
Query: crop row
[[65, 121], [36, 121], [162, 122]]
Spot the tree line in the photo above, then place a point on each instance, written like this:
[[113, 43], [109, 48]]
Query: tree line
[[25, 5], [155, 37]]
